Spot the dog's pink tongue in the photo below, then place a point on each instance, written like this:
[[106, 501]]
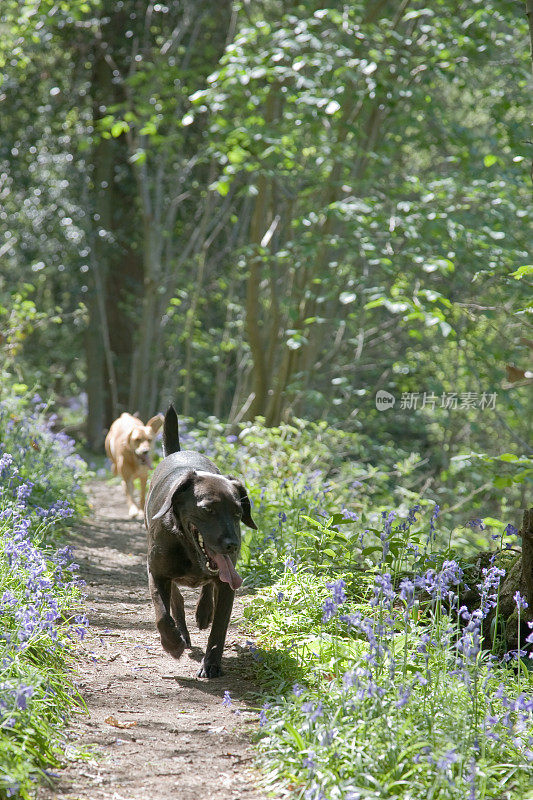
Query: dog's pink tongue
[[226, 571]]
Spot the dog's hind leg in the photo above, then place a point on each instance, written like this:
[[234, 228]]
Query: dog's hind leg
[[177, 609], [171, 639], [205, 607]]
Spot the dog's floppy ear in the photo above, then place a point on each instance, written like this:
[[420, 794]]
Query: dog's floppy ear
[[183, 483], [155, 423], [245, 503]]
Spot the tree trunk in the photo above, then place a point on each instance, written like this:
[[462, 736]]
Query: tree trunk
[[102, 171], [94, 357]]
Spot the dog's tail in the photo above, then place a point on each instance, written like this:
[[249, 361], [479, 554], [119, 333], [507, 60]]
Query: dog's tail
[[171, 433]]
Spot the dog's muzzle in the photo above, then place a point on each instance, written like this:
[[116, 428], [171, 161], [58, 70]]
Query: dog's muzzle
[[217, 563], [144, 458]]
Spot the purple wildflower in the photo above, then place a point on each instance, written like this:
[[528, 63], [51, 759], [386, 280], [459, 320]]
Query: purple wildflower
[[385, 535], [489, 588], [435, 514], [407, 592], [23, 695], [329, 609], [404, 693], [383, 589], [338, 589], [290, 564], [226, 700], [263, 715]]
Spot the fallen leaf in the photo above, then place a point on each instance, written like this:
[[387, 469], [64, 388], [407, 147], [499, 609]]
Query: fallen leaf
[[116, 724]]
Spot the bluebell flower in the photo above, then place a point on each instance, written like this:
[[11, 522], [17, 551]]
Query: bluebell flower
[[329, 609], [383, 589], [23, 695], [338, 589], [489, 588], [263, 715], [387, 532], [404, 695], [314, 792], [434, 516], [407, 592], [226, 700], [309, 763]]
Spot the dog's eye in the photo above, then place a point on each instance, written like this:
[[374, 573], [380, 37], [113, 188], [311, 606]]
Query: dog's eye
[[209, 510]]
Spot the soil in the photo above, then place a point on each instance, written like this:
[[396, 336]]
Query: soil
[[152, 728]]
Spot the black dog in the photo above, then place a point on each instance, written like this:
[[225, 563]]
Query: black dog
[[192, 516]]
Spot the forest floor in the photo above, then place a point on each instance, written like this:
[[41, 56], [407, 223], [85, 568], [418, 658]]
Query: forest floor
[[152, 728]]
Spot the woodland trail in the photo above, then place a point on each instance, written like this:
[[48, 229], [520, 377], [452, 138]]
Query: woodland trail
[[178, 740]]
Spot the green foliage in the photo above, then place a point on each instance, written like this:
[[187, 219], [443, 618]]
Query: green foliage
[[40, 596], [369, 162], [375, 686], [45, 459], [316, 490]]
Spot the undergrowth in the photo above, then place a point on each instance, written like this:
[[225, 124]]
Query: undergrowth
[[377, 678], [40, 595]]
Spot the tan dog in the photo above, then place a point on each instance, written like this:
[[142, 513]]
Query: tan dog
[[128, 446]]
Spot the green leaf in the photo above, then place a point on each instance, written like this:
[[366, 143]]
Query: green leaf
[[221, 186], [139, 157], [521, 272], [502, 483], [148, 129], [295, 735], [367, 551], [118, 128]]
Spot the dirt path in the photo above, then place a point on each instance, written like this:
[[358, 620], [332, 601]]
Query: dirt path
[[181, 741]]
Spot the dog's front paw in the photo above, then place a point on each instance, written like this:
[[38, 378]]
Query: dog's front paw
[[204, 617], [210, 670], [171, 641], [186, 638], [134, 512]]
